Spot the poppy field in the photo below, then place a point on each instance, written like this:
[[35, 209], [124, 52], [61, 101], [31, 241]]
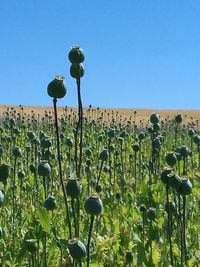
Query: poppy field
[[80, 190]]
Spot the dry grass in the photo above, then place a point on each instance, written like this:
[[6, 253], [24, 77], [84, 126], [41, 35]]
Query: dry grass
[[121, 114]]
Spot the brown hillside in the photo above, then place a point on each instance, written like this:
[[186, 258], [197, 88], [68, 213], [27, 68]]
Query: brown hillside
[[119, 114]]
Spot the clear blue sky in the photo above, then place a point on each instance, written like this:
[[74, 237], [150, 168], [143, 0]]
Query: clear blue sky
[[139, 53]]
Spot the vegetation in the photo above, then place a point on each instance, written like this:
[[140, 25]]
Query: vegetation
[[84, 191]]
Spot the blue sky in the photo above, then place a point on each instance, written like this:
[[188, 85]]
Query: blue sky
[[139, 53]]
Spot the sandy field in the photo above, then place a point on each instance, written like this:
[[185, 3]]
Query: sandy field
[[122, 114]]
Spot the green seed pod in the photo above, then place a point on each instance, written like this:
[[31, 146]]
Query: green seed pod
[[31, 245], [104, 155], [16, 152], [12, 122], [21, 174], [141, 136], [151, 214], [185, 187], [44, 169], [154, 118], [50, 203], [77, 249], [93, 205], [156, 143], [129, 257], [191, 132], [123, 134], [185, 151], [136, 147], [32, 168], [1, 198], [73, 188], [46, 143], [57, 88], [98, 188], [77, 71], [150, 130], [30, 135], [76, 55], [171, 159], [165, 175], [156, 127], [170, 207], [178, 118], [111, 133], [174, 181], [69, 142], [140, 227], [196, 139], [88, 152], [4, 172], [143, 208]]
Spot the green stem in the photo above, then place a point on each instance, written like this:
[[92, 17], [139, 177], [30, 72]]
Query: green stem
[[184, 227], [89, 239], [60, 169], [74, 215], [100, 170], [168, 226]]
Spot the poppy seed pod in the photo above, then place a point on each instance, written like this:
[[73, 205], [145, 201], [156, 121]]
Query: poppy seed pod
[[178, 118], [46, 143], [93, 205], [156, 143], [21, 174], [136, 147], [170, 207], [156, 127], [77, 249], [69, 142], [57, 88], [185, 187], [77, 71], [196, 139], [185, 151], [171, 159], [50, 203], [76, 55], [191, 132], [165, 175], [4, 172], [16, 152], [88, 152], [31, 245], [32, 168], [73, 187], [129, 257], [141, 136], [111, 133], [44, 169], [143, 208], [30, 135], [151, 214], [104, 155], [154, 118], [174, 181]]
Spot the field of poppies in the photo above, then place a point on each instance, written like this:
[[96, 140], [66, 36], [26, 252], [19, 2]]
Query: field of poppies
[[81, 190]]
